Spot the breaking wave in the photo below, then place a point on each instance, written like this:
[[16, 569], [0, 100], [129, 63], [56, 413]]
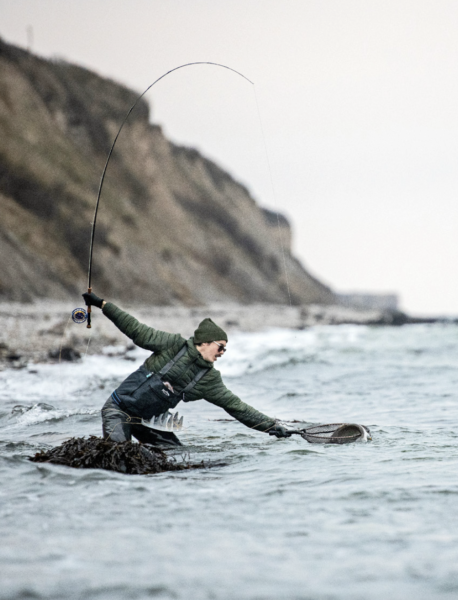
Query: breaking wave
[[278, 348], [24, 416]]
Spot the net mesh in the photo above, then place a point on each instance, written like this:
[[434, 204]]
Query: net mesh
[[335, 433]]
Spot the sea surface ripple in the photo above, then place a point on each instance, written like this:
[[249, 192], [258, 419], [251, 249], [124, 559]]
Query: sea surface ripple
[[274, 518]]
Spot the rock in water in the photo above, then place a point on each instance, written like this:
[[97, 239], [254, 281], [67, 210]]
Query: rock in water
[[123, 457]]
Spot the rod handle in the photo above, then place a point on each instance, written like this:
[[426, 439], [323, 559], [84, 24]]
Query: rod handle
[[88, 326]]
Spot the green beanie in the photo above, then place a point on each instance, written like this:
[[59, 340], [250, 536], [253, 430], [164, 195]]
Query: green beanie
[[209, 332]]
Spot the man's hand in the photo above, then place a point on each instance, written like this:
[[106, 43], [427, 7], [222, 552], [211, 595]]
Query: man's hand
[[92, 300], [279, 431]]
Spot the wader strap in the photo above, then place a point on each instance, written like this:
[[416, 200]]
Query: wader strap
[[187, 367], [192, 383], [172, 362]]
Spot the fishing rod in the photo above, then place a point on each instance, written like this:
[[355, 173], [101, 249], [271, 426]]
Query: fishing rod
[[91, 248]]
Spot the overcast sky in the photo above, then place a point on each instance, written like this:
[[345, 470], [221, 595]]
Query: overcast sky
[[358, 106]]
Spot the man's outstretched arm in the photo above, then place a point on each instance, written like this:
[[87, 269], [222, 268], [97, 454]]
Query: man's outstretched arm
[[142, 335]]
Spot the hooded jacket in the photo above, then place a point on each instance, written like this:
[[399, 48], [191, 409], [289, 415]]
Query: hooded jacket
[[165, 346]]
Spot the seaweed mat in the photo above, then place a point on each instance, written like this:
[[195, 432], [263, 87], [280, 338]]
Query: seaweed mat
[[123, 457]]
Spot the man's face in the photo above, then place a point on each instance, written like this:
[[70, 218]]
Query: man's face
[[211, 351]]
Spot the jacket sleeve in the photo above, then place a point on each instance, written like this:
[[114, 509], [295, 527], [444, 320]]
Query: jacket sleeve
[[142, 335], [217, 393]]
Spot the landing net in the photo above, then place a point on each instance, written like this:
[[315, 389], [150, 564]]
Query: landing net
[[336, 433]]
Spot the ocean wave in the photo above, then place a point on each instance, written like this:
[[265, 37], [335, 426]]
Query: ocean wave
[[279, 348], [27, 415]]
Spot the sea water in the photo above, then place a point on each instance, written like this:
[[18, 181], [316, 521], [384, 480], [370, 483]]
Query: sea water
[[267, 518]]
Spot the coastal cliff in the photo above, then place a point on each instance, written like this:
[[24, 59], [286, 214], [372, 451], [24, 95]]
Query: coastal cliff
[[173, 227]]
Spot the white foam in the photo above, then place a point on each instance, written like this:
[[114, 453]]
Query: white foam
[[38, 413], [255, 352]]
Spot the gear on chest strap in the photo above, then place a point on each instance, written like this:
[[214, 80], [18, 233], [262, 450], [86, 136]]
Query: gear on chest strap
[[174, 361], [145, 394]]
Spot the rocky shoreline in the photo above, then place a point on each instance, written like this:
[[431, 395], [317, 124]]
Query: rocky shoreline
[[44, 331]]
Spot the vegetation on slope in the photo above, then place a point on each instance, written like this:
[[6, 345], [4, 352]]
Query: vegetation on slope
[[173, 227]]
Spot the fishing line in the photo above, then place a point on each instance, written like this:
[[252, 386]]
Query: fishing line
[[78, 316], [102, 179], [87, 347], [274, 195], [60, 353]]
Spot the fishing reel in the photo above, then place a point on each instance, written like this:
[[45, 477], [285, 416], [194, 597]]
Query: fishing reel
[[79, 316]]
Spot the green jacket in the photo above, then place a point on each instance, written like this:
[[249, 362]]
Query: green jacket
[[165, 346]]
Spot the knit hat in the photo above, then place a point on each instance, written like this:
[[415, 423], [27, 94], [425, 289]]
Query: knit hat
[[209, 332]]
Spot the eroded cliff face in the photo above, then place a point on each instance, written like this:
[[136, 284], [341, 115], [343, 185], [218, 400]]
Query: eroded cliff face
[[173, 228]]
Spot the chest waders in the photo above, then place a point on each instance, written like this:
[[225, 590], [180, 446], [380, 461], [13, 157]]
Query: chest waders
[[144, 394]]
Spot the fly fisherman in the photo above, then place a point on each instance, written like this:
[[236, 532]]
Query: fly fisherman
[[177, 370]]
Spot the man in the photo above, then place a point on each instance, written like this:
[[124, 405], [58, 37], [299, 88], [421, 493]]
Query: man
[[178, 369]]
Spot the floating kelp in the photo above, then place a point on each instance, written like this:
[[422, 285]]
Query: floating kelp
[[123, 457]]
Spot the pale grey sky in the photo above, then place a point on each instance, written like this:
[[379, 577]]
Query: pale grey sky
[[359, 108]]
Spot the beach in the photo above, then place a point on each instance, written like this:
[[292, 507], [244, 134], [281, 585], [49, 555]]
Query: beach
[[44, 331]]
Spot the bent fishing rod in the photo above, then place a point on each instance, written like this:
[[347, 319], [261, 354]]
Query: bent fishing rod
[[91, 248]]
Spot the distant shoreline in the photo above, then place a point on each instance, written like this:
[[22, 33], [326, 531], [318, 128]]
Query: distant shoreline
[[41, 332]]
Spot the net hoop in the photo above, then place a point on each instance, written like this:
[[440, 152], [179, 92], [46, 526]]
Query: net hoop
[[336, 433]]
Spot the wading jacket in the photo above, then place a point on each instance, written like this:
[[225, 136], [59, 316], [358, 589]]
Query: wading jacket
[[165, 346]]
